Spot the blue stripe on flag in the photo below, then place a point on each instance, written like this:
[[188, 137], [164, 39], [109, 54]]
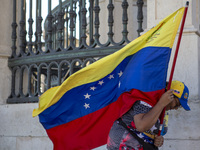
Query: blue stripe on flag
[[88, 98], [146, 69]]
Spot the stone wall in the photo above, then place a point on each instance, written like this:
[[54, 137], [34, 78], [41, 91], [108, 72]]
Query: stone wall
[[18, 130]]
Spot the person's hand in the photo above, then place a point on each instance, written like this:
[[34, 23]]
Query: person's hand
[[166, 98], [158, 141]]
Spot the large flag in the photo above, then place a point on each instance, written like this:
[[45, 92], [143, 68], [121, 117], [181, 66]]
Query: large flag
[[78, 114]]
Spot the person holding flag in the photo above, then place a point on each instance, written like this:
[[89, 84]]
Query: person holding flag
[[138, 128]]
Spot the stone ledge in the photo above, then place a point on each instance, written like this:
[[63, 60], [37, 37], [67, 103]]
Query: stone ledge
[[17, 120], [25, 143], [181, 145]]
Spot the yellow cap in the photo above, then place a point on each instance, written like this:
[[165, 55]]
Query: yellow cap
[[182, 92]]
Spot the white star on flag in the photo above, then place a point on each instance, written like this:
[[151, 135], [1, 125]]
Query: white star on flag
[[86, 106], [153, 128], [120, 74], [101, 82], [92, 88], [111, 76], [119, 84], [140, 135], [87, 96]]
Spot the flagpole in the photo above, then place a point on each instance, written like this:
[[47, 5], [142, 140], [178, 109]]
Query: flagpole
[[174, 63]]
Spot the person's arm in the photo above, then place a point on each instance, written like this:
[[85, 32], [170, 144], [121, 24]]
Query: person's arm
[[144, 122]]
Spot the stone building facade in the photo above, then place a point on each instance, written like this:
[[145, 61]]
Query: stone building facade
[[19, 131]]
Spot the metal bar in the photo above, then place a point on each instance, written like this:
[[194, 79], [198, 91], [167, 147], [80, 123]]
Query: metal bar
[[96, 21], [48, 77], [22, 30], [39, 81], [14, 32], [72, 25], [63, 30], [84, 24], [13, 83], [67, 26], [140, 4], [80, 22], [36, 21], [30, 33], [91, 21], [49, 27], [125, 20], [59, 74], [39, 26], [60, 26], [96, 52], [110, 21], [41, 71], [75, 16], [54, 33], [21, 82], [35, 83], [29, 82], [17, 100], [32, 80]]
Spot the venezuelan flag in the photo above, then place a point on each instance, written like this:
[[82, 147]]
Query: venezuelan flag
[[79, 113]]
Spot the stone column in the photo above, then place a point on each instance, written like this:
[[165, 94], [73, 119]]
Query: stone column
[[5, 49], [183, 126]]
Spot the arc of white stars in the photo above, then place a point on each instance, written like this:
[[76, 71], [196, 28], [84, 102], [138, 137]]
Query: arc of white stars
[[86, 106], [101, 82], [87, 96], [92, 88], [111, 76], [120, 73]]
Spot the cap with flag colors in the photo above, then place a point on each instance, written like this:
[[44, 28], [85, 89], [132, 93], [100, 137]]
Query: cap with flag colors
[[182, 92], [79, 113]]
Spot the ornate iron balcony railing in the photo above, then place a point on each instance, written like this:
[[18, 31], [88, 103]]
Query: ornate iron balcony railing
[[69, 41]]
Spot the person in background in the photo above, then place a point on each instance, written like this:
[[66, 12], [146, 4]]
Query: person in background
[[138, 128]]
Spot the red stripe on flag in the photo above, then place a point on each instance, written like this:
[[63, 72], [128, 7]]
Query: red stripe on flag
[[92, 130]]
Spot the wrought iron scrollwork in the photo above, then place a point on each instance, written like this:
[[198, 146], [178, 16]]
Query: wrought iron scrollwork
[[67, 39]]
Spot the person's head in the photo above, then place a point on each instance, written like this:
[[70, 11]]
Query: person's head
[[181, 94]]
